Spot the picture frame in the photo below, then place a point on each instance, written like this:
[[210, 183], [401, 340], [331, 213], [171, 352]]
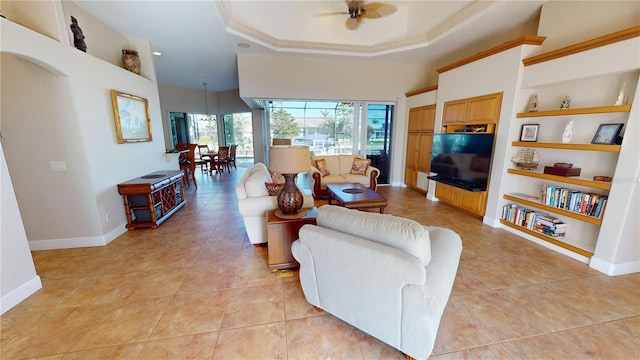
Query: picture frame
[[529, 132], [131, 113], [607, 134]]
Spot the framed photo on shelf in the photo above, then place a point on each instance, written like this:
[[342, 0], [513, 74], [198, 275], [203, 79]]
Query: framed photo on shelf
[[133, 123], [607, 134], [529, 132]]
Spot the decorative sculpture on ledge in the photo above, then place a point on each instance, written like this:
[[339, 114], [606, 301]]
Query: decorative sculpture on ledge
[[622, 97], [568, 132], [533, 103], [78, 36], [566, 103]]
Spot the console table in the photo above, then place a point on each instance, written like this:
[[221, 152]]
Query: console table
[[149, 200]]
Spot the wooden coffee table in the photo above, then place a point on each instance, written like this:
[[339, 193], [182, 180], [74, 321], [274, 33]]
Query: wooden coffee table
[[356, 196]]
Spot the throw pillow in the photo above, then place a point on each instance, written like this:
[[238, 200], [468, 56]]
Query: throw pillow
[[273, 188], [276, 177], [360, 166], [322, 167]]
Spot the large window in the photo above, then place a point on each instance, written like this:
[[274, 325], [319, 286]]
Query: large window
[[204, 130], [333, 127], [238, 130]]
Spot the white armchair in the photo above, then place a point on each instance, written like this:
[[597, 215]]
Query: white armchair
[[388, 276], [254, 202]]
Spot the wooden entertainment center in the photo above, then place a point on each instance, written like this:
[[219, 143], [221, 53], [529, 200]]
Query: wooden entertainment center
[[151, 199], [472, 114]]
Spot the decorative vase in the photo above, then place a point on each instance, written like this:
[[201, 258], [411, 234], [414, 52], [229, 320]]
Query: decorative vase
[[131, 61]]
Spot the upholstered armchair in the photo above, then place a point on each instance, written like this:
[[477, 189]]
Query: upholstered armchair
[[254, 201], [388, 276]]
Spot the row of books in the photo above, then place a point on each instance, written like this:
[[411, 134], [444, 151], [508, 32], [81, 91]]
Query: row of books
[[534, 220], [589, 204]]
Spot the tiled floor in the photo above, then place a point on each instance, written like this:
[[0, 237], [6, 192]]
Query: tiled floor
[[195, 288]]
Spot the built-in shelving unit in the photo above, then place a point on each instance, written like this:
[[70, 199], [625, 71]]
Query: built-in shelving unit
[[577, 111], [571, 214], [582, 232], [569, 180], [561, 146]]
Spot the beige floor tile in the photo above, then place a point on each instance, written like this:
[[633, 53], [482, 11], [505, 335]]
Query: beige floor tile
[[326, 337], [131, 322], [43, 333], [253, 306], [296, 306], [192, 347], [122, 352], [255, 342], [192, 314], [209, 277]]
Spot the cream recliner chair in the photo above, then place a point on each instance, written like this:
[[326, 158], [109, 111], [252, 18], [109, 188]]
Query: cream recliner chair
[[388, 276], [254, 201]]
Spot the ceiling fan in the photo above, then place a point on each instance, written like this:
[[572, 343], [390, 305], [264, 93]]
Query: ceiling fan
[[359, 10]]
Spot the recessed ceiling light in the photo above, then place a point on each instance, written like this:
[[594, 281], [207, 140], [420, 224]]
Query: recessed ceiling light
[[243, 45], [157, 53]]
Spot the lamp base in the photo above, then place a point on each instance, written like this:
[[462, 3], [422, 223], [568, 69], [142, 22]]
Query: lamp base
[[299, 215]]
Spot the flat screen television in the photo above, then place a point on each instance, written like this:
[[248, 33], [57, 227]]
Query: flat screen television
[[462, 159]]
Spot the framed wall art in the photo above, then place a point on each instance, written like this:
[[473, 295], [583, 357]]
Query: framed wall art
[[529, 132], [607, 134], [133, 123]]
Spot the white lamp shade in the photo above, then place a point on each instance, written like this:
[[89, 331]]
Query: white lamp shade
[[289, 159]]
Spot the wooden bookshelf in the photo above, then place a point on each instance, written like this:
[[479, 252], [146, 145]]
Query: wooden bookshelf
[[549, 239], [562, 146], [556, 210], [577, 111], [565, 179]]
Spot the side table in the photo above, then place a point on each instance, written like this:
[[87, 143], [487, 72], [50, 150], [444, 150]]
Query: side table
[[281, 233]]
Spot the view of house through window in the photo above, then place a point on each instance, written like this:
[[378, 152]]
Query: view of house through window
[[203, 130], [336, 128], [238, 130]]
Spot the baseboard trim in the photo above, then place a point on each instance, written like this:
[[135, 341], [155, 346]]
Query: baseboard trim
[[53, 244], [614, 269], [20, 294]]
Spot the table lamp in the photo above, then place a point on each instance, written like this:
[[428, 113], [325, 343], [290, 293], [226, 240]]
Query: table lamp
[[289, 161]]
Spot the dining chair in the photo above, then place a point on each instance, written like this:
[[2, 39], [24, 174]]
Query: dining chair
[[222, 160], [187, 162], [203, 158], [232, 156]]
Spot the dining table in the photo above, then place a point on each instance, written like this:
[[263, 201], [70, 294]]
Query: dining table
[[212, 156]]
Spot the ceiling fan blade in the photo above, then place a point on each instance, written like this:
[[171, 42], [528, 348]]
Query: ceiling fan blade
[[332, 13], [377, 10], [351, 24]]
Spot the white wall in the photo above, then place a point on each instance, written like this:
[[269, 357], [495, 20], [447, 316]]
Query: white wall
[[565, 23], [329, 78], [18, 279], [86, 133]]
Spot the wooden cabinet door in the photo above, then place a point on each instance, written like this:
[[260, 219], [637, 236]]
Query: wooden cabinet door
[[446, 193], [455, 112], [410, 177], [415, 119], [473, 202], [412, 149], [424, 152], [484, 109], [428, 118]]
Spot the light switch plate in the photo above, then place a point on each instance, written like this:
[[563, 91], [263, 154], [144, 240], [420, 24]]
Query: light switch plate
[[57, 166]]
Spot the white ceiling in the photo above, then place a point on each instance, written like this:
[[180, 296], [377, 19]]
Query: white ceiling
[[199, 38]]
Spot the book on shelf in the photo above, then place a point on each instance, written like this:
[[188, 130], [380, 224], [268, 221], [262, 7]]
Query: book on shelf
[[524, 196], [534, 220], [585, 203]]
